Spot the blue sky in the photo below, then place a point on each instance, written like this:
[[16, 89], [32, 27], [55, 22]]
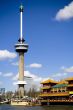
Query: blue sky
[[48, 29]]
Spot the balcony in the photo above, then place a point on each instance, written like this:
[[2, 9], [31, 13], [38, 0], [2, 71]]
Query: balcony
[[70, 85], [45, 87], [54, 94]]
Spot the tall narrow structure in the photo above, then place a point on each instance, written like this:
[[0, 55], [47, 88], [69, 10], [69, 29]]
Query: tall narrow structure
[[21, 47]]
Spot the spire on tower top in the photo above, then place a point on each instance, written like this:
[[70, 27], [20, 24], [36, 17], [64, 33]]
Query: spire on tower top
[[21, 8]]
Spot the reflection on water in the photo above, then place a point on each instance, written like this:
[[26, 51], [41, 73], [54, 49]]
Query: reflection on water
[[51, 107]]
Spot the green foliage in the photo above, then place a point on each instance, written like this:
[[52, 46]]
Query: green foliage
[[33, 92], [8, 94]]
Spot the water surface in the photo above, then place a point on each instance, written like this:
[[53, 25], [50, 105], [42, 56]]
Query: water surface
[[51, 107]]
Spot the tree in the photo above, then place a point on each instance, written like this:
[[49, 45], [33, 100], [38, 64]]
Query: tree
[[33, 91], [8, 94]]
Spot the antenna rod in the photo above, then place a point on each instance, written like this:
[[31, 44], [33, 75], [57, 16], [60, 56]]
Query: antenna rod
[[21, 29]]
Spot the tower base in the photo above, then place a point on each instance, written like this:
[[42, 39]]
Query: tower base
[[21, 90]]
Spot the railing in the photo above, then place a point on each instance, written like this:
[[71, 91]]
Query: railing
[[58, 100], [70, 85], [55, 94], [45, 87]]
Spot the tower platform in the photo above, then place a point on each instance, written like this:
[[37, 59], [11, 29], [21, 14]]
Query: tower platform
[[21, 47], [21, 82]]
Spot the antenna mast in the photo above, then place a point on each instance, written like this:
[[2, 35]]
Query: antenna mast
[[21, 20]]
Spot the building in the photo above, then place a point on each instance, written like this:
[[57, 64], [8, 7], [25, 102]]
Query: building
[[21, 47], [53, 91]]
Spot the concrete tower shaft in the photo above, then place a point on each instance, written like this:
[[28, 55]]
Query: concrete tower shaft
[[21, 66]]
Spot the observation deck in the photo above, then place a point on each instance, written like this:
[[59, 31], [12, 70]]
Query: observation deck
[[21, 46]]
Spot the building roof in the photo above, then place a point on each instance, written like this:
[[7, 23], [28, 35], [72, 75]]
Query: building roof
[[49, 81], [60, 85], [63, 82], [69, 79]]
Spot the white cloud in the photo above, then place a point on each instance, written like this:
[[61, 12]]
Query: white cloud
[[65, 13], [35, 65], [15, 77], [8, 74], [33, 76], [69, 70], [27, 74], [59, 75], [15, 63], [5, 54]]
